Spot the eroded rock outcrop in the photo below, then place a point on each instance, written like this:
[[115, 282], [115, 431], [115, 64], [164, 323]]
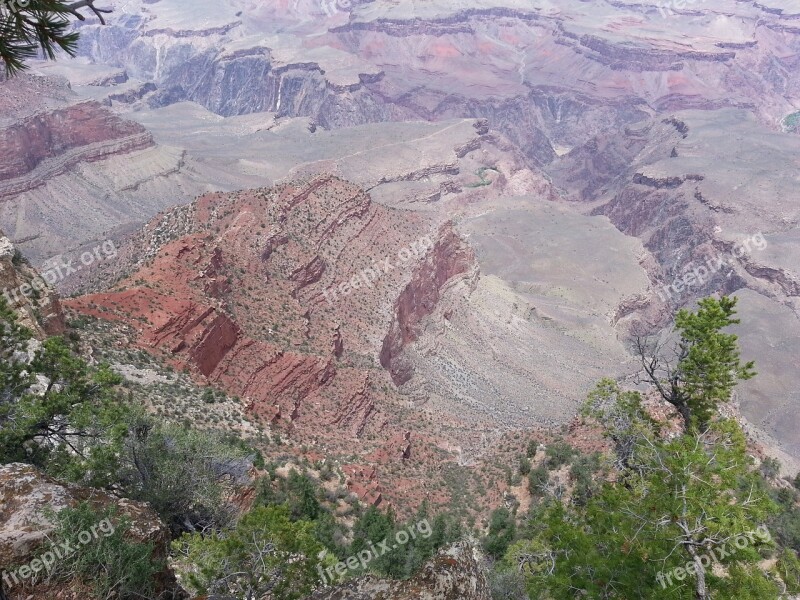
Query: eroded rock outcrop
[[449, 257], [46, 130], [280, 295], [73, 171], [45, 145], [28, 498], [713, 220], [28, 293]]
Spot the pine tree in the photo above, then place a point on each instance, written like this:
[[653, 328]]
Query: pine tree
[[28, 27], [265, 555], [56, 411], [684, 510], [684, 516], [705, 365], [501, 532]]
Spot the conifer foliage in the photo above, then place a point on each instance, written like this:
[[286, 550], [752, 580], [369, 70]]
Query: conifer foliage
[[28, 27]]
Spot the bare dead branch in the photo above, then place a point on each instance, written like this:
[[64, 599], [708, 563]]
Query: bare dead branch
[[75, 7]]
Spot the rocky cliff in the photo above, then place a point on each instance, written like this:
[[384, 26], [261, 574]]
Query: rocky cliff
[[29, 294], [43, 146], [358, 328], [449, 257], [74, 171], [716, 217], [547, 77]]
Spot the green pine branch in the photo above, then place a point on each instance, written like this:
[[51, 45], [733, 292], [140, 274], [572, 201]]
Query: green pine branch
[[28, 27]]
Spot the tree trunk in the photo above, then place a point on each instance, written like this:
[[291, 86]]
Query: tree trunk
[[686, 415], [700, 593]]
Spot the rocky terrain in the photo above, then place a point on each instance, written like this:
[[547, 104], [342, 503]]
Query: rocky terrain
[[392, 245], [711, 190], [30, 296], [29, 499], [457, 573], [75, 172], [569, 164], [546, 76], [324, 312], [240, 298]]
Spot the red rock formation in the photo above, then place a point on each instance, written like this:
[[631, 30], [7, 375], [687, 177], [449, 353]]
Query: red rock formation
[[357, 410], [449, 257], [235, 286], [362, 481], [245, 290], [47, 144]]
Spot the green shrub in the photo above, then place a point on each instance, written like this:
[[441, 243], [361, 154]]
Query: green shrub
[[265, 553], [537, 480], [507, 584], [558, 454], [502, 529], [533, 445], [72, 429], [18, 258], [111, 563], [785, 527], [789, 570], [181, 472], [581, 473]]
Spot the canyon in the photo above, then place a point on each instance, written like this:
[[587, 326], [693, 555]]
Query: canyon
[[567, 164], [350, 324]]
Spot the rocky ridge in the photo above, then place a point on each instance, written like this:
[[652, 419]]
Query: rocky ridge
[[247, 291], [485, 60], [78, 171], [715, 217], [345, 323], [28, 293], [47, 145]]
